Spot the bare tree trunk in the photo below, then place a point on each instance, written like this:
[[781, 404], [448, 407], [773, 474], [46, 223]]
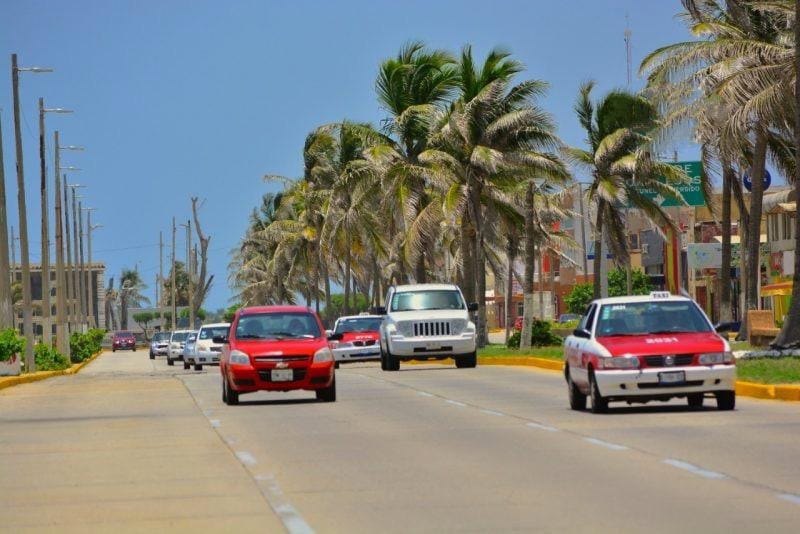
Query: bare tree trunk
[[598, 248], [790, 333], [530, 267], [725, 269], [511, 252], [203, 280]]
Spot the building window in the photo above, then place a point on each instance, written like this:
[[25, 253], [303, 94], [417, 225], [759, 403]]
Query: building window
[[520, 309], [787, 225], [633, 241]]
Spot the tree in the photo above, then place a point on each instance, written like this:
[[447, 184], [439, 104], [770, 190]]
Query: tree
[[582, 295], [231, 311], [202, 284], [131, 287], [181, 286], [143, 319], [620, 166]]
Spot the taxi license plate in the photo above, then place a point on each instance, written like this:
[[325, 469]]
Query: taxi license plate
[[282, 375], [672, 377]]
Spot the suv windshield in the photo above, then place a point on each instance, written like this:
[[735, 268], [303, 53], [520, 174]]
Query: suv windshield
[[179, 336], [445, 299], [366, 324], [277, 325], [161, 336], [212, 332], [639, 318]]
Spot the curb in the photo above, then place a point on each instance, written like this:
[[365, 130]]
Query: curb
[[7, 382]]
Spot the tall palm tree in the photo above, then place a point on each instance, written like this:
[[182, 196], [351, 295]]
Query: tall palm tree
[[620, 166], [131, 288]]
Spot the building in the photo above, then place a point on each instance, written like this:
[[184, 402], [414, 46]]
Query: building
[[97, 292]]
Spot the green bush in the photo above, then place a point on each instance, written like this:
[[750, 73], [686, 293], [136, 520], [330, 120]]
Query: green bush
[[541, 336], [83, 346], [10, 343], [583, 294], [48, 358]]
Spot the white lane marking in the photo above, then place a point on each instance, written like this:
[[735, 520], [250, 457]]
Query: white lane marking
[[606, 444], [246, 458], [794, 499], [705, 473], [288, 514], [424, 394], [455, 403], [546, 428], [492, 412], [214, 423]]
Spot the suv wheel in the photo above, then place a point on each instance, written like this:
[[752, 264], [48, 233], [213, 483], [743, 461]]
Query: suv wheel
[[229, 396], [327, 394], [185, 365], [469, 361], [694, 400], [726, 400], [152, 355], [392, 364], [198, 367], [577, 400], [599, 404]]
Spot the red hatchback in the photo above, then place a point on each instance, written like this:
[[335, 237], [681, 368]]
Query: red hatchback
[[276, 348], [123, 341]]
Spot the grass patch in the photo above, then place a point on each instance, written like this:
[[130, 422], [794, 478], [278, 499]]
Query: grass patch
[[501, 351], [769, 370], [744, 345]]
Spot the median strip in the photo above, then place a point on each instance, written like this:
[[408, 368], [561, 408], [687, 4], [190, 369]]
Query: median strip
[[9, 381]]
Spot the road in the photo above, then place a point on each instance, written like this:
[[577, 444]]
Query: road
[[432, 448]]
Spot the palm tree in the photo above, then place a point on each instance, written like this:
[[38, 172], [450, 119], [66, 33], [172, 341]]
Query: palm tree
[[620, 168], [110, 299], [131, 287]]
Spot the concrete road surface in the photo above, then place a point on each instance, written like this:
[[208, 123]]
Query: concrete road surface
[[430, 448]]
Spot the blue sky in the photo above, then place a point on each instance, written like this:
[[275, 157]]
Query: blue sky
[[183, 98]]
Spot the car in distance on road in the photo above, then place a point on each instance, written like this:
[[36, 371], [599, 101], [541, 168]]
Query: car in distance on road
[[643, 348], [206, 352], [426, 322], [276, 348], [188, 349], [159, 345], [176, 343], [356, 338], [123, 341], [568, 317]]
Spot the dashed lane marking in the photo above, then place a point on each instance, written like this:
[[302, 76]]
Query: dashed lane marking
[[455, 403], [538, 426], [424, 394], [705, 473], [492, 412], [214, 423], [288, 514], [246, 458], [606, 444], [794, 499]]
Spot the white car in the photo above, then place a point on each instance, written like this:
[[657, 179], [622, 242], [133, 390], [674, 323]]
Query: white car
[[206, 352], [356, 338], [177, 341], [643, 348], [427, 322]]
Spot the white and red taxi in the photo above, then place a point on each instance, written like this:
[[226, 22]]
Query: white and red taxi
[[356, 338], [643, 348]]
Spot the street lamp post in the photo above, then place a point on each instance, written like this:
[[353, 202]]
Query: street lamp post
[[189, 270], [47, 328], [76, 280], [82, 282], [27, 305], [62, 285], [6, 304], [91, 288]]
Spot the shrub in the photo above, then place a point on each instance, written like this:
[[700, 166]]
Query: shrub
[[10, 343], [48, 358], [541, 336], [83, 346]]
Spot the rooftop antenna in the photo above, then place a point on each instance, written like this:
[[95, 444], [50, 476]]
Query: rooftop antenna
[[628, 59]]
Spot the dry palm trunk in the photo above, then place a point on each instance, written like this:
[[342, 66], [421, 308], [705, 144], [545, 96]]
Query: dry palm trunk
[[480, 265], [753, 270], [511, 249], [598, 249], [467, 260], [530, 267], [725, 270]]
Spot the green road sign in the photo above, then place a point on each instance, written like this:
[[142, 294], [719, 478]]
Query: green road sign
[[692, 192]]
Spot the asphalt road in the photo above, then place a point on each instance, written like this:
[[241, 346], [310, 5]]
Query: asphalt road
[[433, 448], [131, 444]]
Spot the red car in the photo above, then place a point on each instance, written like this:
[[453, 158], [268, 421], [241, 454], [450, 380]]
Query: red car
[[123, 341], [276, 348]]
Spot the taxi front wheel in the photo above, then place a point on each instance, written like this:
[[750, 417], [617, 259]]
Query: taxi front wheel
[[726, 400], [599, 403], [577, 400]]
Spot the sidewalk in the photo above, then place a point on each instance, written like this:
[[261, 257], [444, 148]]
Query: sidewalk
[[119, 447]]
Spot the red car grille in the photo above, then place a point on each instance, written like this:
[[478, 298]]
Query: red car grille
[[281, 358]]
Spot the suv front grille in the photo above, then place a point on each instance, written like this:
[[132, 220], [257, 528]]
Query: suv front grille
[[678, 359], [431, 328]]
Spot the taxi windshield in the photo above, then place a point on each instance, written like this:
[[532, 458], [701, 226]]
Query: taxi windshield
[[640, 318], [361, 324]]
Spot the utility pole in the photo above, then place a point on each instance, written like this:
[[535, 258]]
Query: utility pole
[[13, 254], [78, 265], [91, 286], [160, 290], [62, 343], [174, 305], [71, 281], [6, 304], [83, 283], [47, 328], [190, 272]]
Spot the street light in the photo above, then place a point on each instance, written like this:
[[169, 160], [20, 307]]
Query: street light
[[90, 286], [77, 285], [47, 328], [27, 306], [64, 316]]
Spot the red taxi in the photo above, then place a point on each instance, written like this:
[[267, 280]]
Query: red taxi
[[276, 348], [356, 338], [643, 348]]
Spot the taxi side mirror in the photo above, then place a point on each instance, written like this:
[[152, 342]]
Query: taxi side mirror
[[220, 339], [580, 332], [335, 337]]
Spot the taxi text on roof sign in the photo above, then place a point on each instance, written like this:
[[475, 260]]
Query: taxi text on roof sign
[[660, 294]]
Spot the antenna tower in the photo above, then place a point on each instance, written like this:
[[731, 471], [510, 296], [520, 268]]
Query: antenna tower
[[628, 59]]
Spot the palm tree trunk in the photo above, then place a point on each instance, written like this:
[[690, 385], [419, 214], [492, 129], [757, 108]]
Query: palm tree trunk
[[511, 250], [467, 260], [480, 265], [753, 270], [598, 248], [347, 270], [790, 333], [530, 267], [725, 268], [123, 312]]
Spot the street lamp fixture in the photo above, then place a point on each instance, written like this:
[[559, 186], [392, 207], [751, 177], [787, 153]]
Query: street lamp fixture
[[57, 110], [36, 70], [72, 147]]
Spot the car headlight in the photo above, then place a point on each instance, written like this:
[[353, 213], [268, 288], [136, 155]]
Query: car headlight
[[470, 328], [239, 357], [620, 362], [323, 355], [392, 329], [712, 358]]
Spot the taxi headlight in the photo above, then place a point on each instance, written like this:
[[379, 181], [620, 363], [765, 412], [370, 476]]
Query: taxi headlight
[[713, 358], [621, 362], [239, 357], [323, 355]]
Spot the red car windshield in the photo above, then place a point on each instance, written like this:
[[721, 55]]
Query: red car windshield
[[277, 325]]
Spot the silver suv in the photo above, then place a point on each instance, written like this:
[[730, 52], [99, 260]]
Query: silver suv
[[427, 322]]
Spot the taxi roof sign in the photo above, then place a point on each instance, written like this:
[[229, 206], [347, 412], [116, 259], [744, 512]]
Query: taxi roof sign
[[660, 294]]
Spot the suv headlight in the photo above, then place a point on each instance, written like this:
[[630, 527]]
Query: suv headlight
[[239, 357], [712, 358], [323, 355], [620, 362]]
